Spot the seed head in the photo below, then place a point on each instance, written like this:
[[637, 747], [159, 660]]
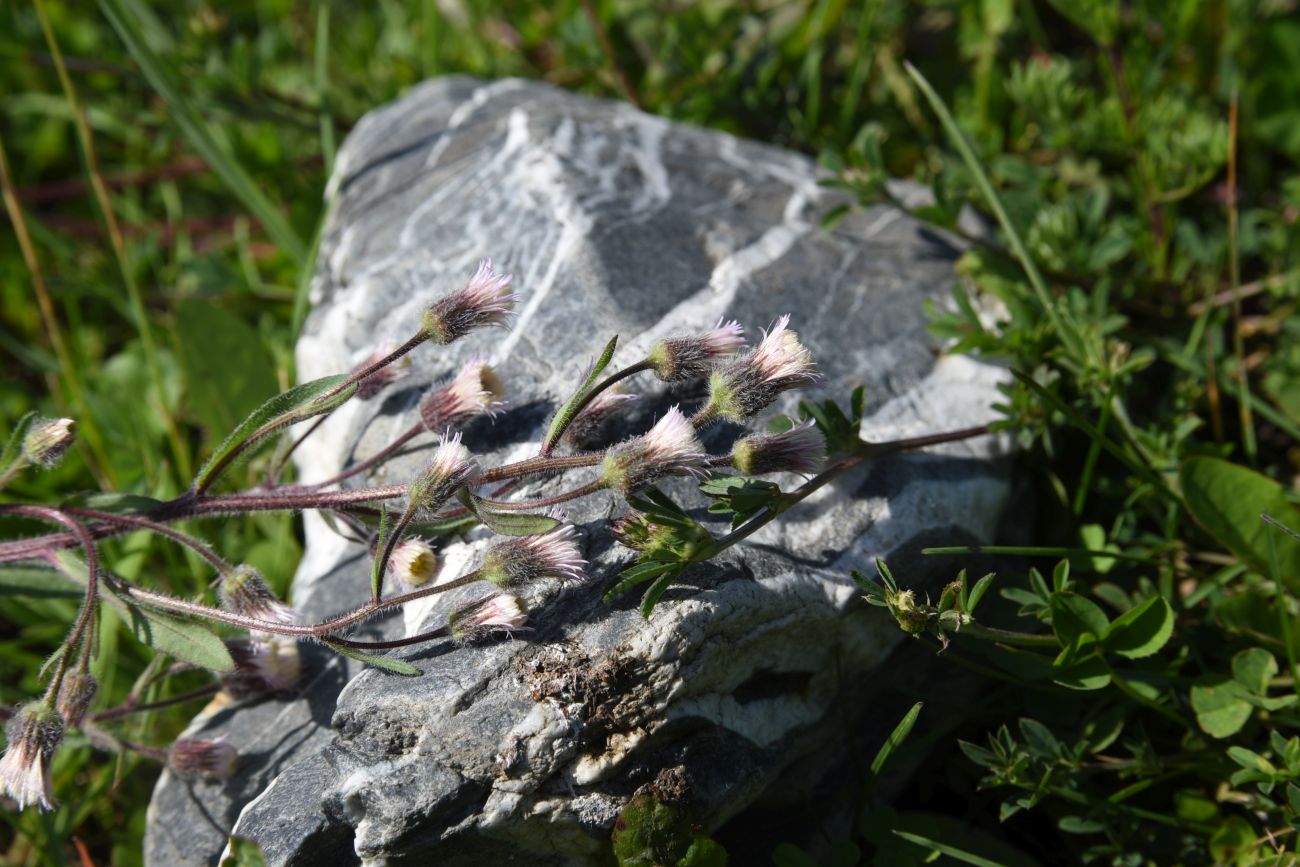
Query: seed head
[[196, 758], [271, 665], [485, 300], [48, 439], [679, 358], [384, 376], [487, 617], [414, 562], [476, 390], [75, 695], [801, 449], [669, 448], [451, 468], [245, 592], [34, 735], [522, 560], [749, 384]]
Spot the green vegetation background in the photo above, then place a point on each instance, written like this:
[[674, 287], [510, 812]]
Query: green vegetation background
[[164, 168]]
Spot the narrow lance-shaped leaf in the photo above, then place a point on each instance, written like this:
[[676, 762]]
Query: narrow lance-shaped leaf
[[508, 523], [896, 738], [298, 403], [13, 449], [376, 567], [385, 663], [566, 413]]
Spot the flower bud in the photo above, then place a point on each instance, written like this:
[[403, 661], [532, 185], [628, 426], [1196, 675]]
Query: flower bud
[[752, 382], [75, 695], [658, 541], [451, 468], [669, 448], [270, 665], [384, 376], [476, 390], [245, 592], [486, 617], [801, 449], [34, 734], [414, 562], [485, 300], [586, 426], [196, 758], [522, 560], [48, 439], [678, 358]]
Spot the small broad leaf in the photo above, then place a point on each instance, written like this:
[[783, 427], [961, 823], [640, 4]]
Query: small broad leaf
[[384, 663], [1253, 668], [1221, 706], [566, 413], [1074, 615], [1141, 631], [186, 640], [1227, 500], [896, 738], [298, 403], [1081, 665]]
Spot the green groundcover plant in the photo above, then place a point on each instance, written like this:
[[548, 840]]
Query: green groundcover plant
[[1124, 174]]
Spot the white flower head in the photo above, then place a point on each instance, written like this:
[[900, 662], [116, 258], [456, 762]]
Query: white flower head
[[414, 562], [752, 382], [475, 390], [485, 300], [268, 665], [451, 468], [801, 449], [486, 617], [522, 560], [197, 758], [34, 735], [670, 448], [48, 439], [245, 592]]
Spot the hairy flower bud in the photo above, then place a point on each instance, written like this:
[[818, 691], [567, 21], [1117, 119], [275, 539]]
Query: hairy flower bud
[[486, 617], [75, 695], [414, 562], [485, 300], [270, 665], [476, 390], [34, 734], [197, 758], [749, 384], [522, 560], [658, 541], [679, 358], [245, 592], [48, 440], [585, 429], [451, 468], [384, 376], [801, 449], [669, 448]]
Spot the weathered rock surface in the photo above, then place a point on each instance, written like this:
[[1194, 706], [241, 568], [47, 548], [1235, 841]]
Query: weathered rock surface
[[524, 751]]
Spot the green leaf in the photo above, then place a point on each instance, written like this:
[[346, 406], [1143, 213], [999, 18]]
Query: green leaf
[[1221, 706], [952, 850], [1253, 668], [384, 663], [1098, 18], [1227, 500], [13, 448], [228, 372], [243, 853], [376, 567], [1141, 631], [656, 590], [977, 592], [896, 738], [566, 413], [38, 583], [1074, 615], [635, 574], [298, 403], [166, 81], [186, 640]]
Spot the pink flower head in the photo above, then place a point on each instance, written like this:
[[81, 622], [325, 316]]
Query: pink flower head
[[485, 300], [271, 665], [34, 735], [483, 618], [752, 382], [801, 449], [475, 390], [196, 758], [245, 592], [667, 449], [525, 559], [586, 426], [678, 358], [451, 468], [384, 376]]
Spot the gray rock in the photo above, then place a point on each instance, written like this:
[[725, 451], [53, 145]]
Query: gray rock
[[734, 692]]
